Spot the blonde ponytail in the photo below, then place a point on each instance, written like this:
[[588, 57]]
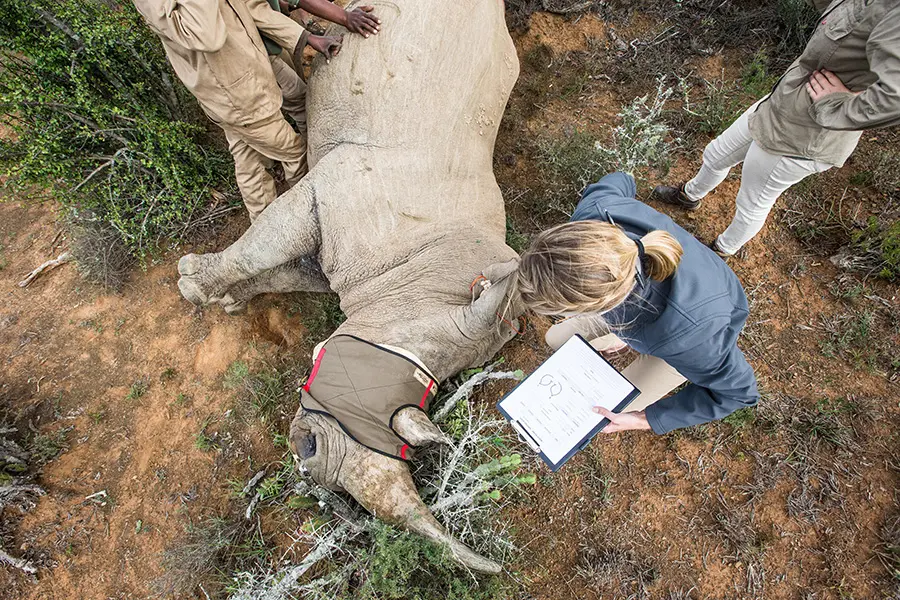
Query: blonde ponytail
[[663, 253], [589, 267]]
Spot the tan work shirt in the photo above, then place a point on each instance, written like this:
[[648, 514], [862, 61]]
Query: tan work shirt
[[216, 50], [859, 41]]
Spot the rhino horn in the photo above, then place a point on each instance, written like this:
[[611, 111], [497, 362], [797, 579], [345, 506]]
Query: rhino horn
[[384, 487], [499, 301], [415, 427]]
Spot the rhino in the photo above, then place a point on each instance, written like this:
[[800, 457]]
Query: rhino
[[399, 214]]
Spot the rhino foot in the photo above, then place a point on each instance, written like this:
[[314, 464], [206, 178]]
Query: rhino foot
[[197, 283]]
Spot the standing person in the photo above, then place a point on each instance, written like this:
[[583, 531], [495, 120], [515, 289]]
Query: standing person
[[216, 50], [287, 74], [846, 80], [623, 268]]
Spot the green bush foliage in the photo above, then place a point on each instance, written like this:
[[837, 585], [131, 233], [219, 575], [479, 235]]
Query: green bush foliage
[[796, 19], [97, 116], [882, 243], [404, 566]]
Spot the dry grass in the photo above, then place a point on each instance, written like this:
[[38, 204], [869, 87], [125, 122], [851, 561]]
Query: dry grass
[[607, 567], [100, 253]]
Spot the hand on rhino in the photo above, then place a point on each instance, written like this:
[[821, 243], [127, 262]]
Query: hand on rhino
[[327, 45], [361, 21]]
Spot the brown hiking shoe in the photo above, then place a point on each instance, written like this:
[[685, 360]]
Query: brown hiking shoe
[[674, 196], [714, 246]]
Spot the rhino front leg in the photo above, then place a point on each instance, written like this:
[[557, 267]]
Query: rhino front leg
[[286, 230], [298, 275]]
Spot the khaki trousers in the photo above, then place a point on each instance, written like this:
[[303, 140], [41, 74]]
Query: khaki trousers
[[255, 149], [653, 376], [293, 90]]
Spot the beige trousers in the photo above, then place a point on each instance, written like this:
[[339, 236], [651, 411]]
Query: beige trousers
[[653, 376], [255, 149], [293, 89]]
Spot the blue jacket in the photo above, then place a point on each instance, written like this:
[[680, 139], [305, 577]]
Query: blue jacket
[[691, 320]]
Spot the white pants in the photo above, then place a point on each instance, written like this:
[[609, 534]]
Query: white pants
[[653, 376], [763, 179]]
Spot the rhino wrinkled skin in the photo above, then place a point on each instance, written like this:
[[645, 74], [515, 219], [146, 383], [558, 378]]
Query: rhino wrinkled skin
[[399, 214]]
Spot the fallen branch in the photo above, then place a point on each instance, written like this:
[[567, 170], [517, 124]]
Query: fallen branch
[[252, 506], [257, 497], [107, 163], [18, 563], [16, 492], [100, 498], [466, 389], [287, 581], [253, 481], [50, 264]]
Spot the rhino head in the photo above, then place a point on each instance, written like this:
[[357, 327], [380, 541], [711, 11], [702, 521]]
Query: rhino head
[[382, 485]]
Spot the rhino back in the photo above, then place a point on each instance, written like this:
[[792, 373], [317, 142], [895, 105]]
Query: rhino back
[[402, 128], [436, 78], [375, 214]]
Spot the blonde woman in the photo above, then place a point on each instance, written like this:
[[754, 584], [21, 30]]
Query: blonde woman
[[622, 269]]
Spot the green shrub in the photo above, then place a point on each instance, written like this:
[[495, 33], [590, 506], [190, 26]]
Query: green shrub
[[98, 117], [642, 140], [45, 447], [796, 20], [881, 243], [717, 110], [323, 317], [515, 239], [756, 78], [404, 566], [571, 159]]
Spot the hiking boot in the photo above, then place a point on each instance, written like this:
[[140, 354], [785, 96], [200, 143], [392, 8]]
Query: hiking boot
[[714, 246], [674, 196]]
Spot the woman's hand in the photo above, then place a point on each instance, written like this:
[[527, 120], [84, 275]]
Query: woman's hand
[[613, 349], [361, 21], [623, 421], [824, 82]]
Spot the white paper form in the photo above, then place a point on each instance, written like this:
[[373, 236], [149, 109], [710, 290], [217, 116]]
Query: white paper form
[[554, 405]]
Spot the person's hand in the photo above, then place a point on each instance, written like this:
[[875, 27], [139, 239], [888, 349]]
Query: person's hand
[[328, 45], [824, 82], [613, 349], [361, 22], [285, 7], [623, 421]]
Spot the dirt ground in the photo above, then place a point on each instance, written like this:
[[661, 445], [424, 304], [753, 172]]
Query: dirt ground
[[740, 510]]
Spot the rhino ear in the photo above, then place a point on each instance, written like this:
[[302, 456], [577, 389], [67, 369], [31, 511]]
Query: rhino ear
[[500, 299], [415, 427]]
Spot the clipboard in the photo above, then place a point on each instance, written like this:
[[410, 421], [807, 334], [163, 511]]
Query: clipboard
[[537, 414]]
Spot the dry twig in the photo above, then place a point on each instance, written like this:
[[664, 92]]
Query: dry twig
[[50, 264], [18, 563]]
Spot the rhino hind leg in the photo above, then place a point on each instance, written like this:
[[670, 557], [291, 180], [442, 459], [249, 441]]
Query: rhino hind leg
[[287, 230], [298, 275]]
